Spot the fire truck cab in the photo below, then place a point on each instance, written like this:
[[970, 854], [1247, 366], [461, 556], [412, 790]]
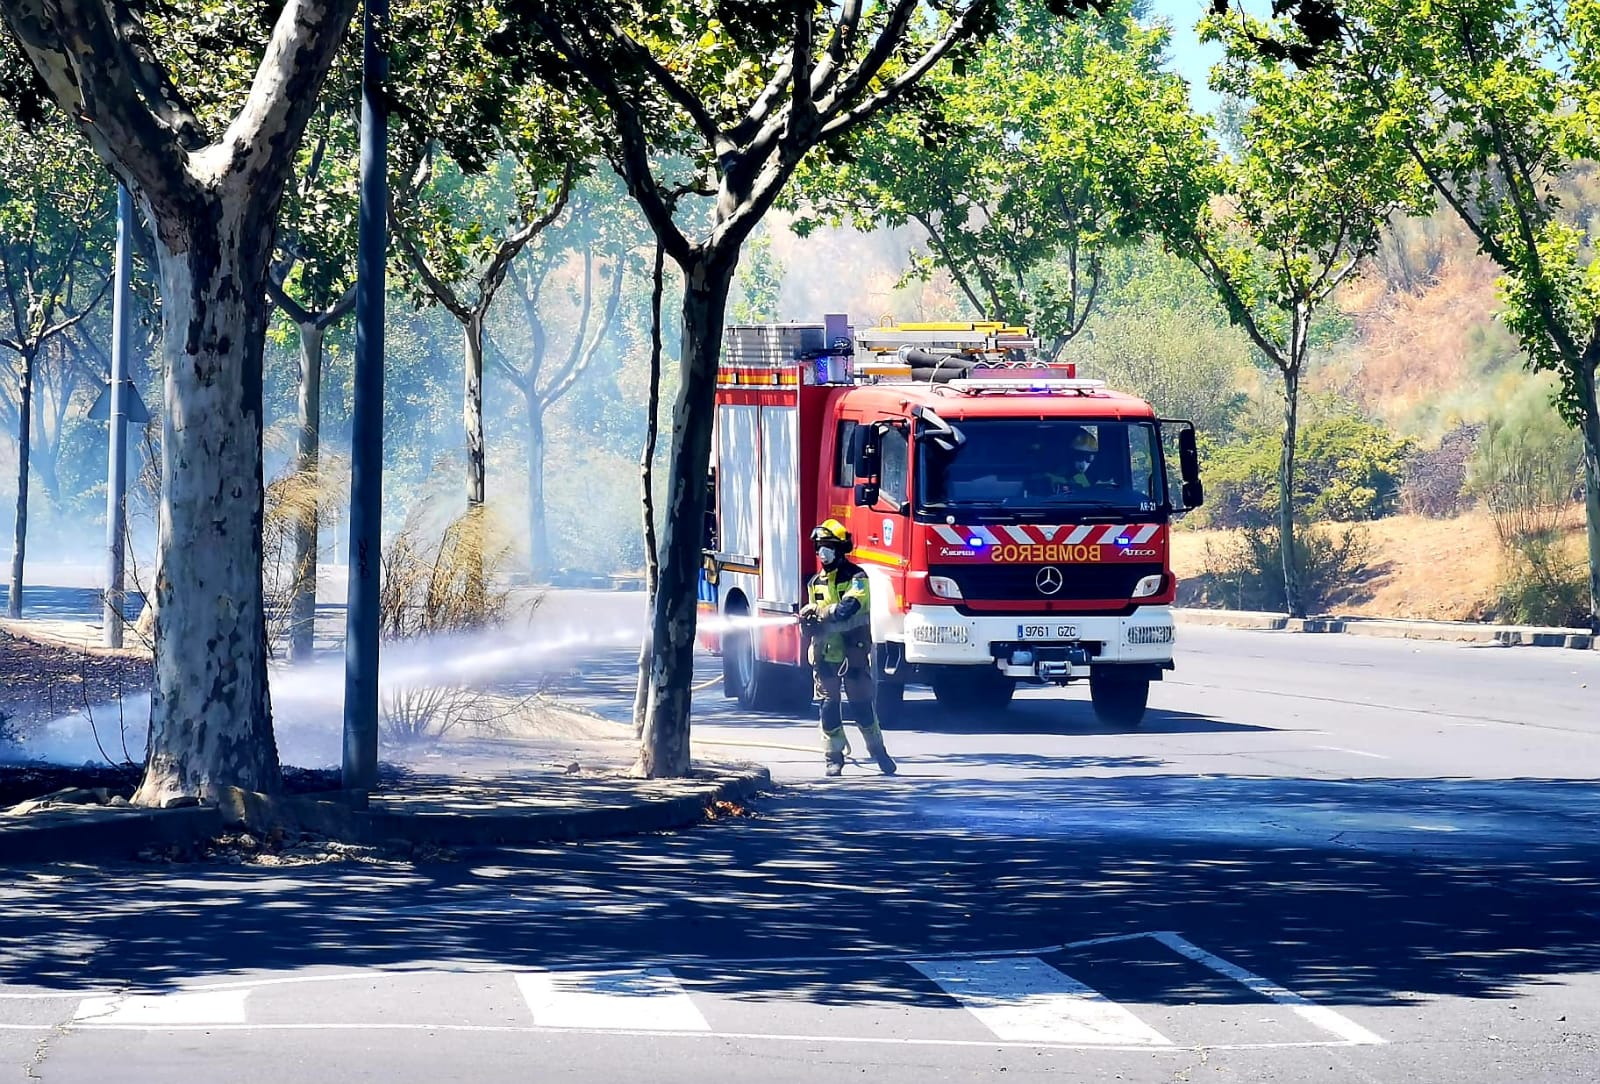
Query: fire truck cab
[[1012, 518]]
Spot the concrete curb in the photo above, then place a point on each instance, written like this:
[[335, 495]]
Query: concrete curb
[[99, 832], [335, 816], [1449, 631], [1231, 619]]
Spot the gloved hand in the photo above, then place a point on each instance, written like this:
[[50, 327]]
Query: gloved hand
[[809, 617]]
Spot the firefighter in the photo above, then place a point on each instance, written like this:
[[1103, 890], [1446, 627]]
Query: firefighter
[[837, 623], [1083, 447]]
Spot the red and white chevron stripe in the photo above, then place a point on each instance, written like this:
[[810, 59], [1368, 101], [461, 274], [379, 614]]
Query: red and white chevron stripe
[[1033, 534]]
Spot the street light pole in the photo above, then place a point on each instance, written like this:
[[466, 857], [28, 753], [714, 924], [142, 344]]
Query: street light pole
[[360, 773], [117, 465]]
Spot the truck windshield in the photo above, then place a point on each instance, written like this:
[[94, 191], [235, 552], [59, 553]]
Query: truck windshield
[[1067, 467]]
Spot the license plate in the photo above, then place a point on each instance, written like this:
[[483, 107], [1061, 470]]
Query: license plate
[[1046, 631]]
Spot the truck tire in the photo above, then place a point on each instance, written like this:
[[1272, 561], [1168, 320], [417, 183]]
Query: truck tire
[[972, 688], [758, 685], [889, 700], [889, 690], [1119, 698]]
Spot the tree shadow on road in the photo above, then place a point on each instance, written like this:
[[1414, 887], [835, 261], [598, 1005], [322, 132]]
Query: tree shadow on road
[[1370, 891]]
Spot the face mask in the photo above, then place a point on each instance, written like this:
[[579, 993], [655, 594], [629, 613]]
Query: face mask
[[1083, 465], [827, 554]]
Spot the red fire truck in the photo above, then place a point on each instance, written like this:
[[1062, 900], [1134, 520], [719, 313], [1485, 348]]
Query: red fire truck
[[1013, 518]]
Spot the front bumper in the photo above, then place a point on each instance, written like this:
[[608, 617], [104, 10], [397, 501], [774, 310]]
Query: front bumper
[[941, 636]]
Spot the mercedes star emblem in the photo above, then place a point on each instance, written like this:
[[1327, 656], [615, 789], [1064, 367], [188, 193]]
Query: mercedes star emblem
[[1048, 581]]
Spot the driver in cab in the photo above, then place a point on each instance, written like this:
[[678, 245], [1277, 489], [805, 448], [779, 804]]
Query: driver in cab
[[1082, 448]]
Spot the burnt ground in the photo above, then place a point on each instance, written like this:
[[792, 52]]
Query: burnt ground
[[40, 681]]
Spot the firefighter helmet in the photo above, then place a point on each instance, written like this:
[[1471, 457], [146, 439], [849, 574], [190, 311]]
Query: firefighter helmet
[[832, 531], [1085, 441]]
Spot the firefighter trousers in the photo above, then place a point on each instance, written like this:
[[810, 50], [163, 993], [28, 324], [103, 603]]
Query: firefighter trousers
[[852, 680]]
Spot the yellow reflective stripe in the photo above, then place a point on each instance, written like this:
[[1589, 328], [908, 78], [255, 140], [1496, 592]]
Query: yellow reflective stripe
[[876, 557]]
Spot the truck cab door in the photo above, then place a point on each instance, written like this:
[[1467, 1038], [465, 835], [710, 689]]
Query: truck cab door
[[883, 526]]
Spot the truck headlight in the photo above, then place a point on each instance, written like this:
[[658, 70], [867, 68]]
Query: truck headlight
[[944, 587], [1150, 585]]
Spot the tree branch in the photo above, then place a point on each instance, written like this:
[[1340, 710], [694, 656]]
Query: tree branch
[[948, 257], [70, 43], [436, 286], [339, 309], [585, 310], [634, 160], [493, 275], [680, 95], [592, 351], [284, 92], [841, 121], [277, 275]]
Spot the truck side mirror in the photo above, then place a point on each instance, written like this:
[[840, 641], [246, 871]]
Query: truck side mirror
[[1194, 493], [865, 454]]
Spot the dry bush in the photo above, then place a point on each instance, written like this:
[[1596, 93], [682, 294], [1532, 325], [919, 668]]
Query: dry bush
[[295, 501], [1245, 571], [1435, 479], [437, 582]]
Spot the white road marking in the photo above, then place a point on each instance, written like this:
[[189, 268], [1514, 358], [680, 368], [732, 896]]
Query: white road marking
[[1352, 752], [156, 1011], [758, 1036], [1320, 1015], [1026, 1000], [642, 1000]]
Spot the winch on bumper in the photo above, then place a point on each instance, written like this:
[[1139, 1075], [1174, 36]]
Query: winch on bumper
[[1044, 647]]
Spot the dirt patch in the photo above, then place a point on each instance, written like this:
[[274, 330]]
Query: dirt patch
[[1421, 569], [43, 681]]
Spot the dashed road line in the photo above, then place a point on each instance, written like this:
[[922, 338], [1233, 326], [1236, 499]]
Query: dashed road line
[[1026, 1000], [1320, 1015]]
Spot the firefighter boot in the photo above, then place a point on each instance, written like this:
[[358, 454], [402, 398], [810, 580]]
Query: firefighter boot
[[833, 750], [879, 752]]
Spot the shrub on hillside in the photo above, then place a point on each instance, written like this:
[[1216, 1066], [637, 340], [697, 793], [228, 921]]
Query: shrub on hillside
[[1528, 468], [1347, 469], [1246, 572], [1528, 472], [1435, 478], [1541, 585]]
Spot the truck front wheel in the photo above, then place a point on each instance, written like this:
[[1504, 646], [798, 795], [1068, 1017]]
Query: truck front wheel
[[1119, 698]]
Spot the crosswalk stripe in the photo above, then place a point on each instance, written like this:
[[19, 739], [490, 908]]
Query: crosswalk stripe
[[1320, 1015], [156, 1010], [1024, 999], [650, 999]]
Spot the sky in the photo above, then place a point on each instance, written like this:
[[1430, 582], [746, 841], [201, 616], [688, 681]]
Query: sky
[[1189, 58]]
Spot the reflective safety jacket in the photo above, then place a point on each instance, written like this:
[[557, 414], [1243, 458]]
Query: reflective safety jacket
[[844, 604]]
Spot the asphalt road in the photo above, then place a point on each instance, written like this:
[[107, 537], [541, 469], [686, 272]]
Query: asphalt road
[[1322, 859]]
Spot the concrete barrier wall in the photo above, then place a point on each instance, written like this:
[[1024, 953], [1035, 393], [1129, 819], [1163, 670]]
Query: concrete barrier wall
[[1451, 631]]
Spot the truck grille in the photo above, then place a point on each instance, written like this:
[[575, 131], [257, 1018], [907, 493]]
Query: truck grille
[[1019, 583]]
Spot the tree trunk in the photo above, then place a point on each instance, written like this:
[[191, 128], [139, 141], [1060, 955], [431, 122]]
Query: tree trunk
[[538, 533], [210, 716], [647, 495], [472, 405], [1590, 428], [665, 748], [1293, 600], [24, 438], [308, 453]]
